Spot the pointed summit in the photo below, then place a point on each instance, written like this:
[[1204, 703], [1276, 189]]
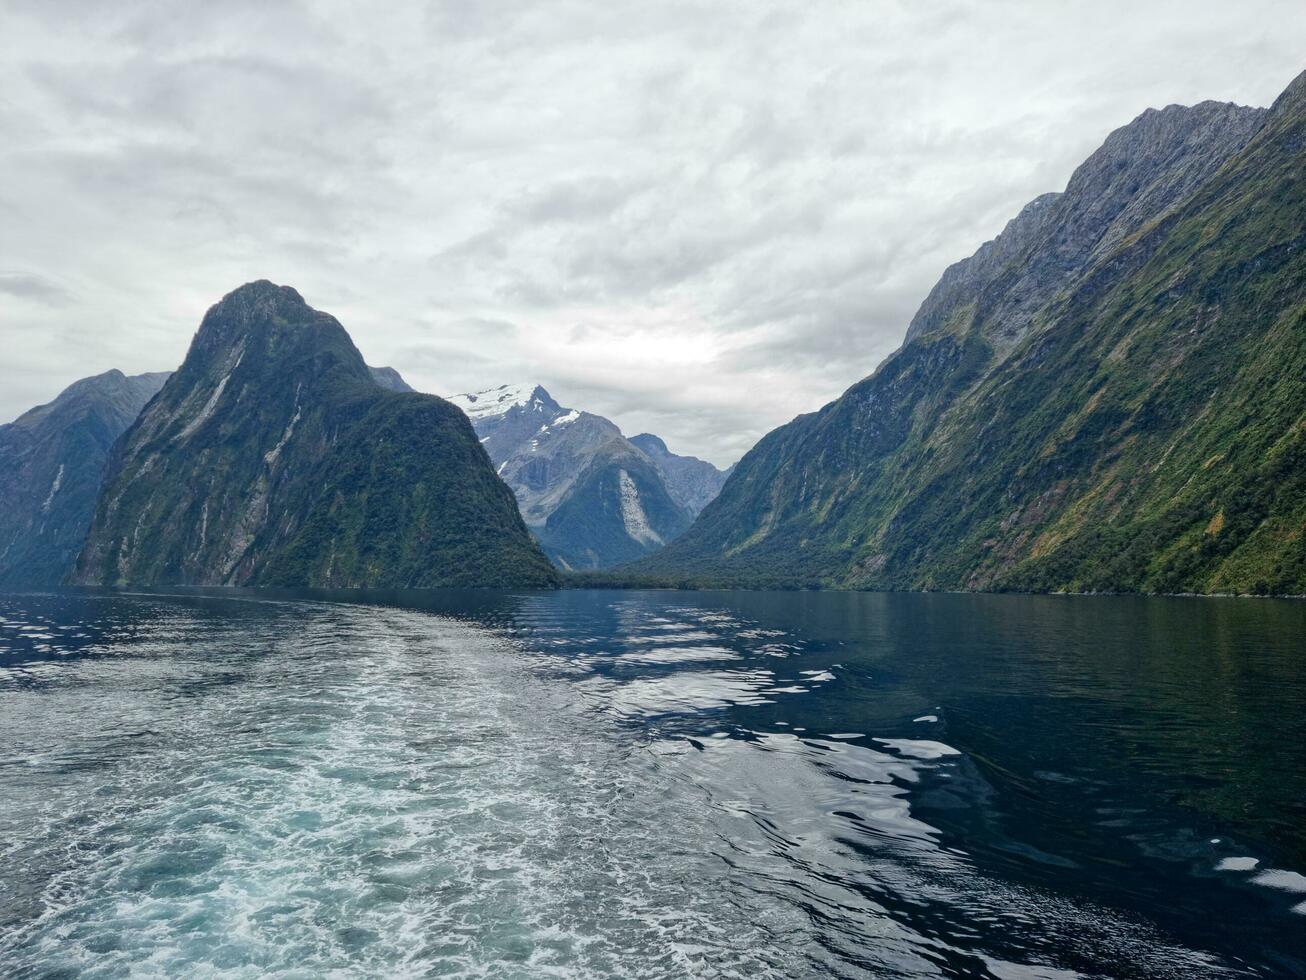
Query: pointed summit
[[501, 400], [272, 456]]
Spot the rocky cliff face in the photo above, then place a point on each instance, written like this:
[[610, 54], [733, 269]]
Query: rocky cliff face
[[591, 496], [273, 456], [1110, 396], [52, 459], [1142, 171]]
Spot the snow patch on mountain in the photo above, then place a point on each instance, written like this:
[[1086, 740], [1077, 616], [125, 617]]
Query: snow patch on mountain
[[479, 405], [632, 512], [561, 420]]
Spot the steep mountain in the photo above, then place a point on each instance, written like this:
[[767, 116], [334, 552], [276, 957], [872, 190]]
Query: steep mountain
[[692, 482], [272, 456], [592, 497], [51, 461], [1110, 396]]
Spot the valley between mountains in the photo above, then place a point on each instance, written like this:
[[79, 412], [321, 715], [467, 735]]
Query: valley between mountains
[[1109, 396]]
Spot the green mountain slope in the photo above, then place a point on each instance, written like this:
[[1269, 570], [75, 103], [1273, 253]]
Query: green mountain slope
[[1132, 420], [273, 456], [52, 459]]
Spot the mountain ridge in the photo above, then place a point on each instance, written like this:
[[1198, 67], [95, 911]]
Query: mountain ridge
[[52, 459]]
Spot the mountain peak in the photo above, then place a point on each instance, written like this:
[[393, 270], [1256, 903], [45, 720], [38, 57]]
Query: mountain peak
[[260, 301], [647, 441], [388, 377], [273, 456], [1141, 171], [261, 290], [479, 405], [261, 323]]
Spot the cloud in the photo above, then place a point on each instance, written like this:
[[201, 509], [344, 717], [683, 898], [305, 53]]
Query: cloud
[[35, 288], [697, 219]]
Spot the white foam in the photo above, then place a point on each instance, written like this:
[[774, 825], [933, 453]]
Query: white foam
[[1288, 881], [1237, 864], [919, 748]]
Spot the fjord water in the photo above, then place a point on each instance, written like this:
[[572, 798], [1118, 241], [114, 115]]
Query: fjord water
[[651, 784]]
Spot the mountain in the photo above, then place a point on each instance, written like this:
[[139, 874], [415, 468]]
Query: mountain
[[388, 377], [592, 497], [1109, 396], [692, 482], [51, 462], [273, 456]]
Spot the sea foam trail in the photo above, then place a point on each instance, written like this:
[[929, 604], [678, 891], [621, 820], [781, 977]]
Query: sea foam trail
[[343, 788]]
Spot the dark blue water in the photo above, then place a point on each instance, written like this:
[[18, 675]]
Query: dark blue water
[[659, 784]]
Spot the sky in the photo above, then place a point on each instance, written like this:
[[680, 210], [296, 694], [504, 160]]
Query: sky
[[698, 219]]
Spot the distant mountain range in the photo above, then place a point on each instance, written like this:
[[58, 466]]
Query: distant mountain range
[[52, 460], [591, 496], [273, 456], [1111, 395]]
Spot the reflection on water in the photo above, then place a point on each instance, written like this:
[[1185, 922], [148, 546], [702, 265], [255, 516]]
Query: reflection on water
[[651, 784]]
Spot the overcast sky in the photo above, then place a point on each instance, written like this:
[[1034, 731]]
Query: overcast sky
[[698, 219]]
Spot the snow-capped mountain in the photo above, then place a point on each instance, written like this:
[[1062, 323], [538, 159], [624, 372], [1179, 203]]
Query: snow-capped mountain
[[593, 497]]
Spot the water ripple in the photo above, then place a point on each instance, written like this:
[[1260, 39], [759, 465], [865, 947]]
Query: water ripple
[[242, 787]]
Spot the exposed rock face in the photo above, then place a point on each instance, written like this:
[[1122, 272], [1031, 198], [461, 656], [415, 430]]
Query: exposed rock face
[[1110, 396], [52, 459], [1142, 170], [273, 457], [566, 468]]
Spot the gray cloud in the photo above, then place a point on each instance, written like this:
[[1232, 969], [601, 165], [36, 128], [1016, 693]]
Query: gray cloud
[[35, 288], [699, 219]]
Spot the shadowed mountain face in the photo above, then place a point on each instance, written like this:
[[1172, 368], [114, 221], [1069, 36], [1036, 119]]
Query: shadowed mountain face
[[1110, 396], [692, 482], [591, 496], [52, 459], [273, 457]]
